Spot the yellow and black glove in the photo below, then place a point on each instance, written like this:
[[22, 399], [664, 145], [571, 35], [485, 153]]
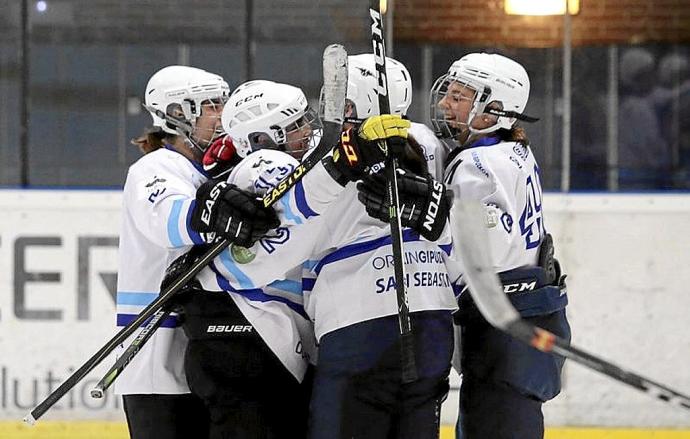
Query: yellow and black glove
[[361, 151]]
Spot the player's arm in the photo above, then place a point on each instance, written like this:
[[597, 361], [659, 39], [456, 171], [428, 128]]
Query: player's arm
[[478, 177], [159, 204]]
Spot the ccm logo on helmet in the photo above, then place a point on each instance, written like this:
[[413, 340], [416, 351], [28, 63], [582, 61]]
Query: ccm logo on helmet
[[247, 99], [519, 287], [229, 328], [432, 210]]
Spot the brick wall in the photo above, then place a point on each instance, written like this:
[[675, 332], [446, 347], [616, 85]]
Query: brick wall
[[484, 23], [464, 22]]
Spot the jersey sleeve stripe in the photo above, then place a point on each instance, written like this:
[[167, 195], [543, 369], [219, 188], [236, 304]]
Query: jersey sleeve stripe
[[173, 224], [308, 283], [125, 319], [243, 280], [301, 201], [135, 298], [290, 286], [257, 295], [196, 238], [287, 211]]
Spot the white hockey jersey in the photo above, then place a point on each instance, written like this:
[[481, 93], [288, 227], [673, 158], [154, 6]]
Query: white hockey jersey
[[346, 256], [277, 310], [157, 199], [504, 176], [434, 151]]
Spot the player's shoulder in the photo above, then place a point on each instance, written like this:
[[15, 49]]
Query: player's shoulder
[[423, 134], [161, 158]]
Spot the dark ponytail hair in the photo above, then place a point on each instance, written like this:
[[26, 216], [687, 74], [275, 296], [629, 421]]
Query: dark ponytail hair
[[515, 134], [151, 139]]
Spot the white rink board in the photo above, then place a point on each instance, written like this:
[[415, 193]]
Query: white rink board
[[54, 321], [626, 257]]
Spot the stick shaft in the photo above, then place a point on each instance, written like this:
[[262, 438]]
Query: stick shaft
[[409, 369]]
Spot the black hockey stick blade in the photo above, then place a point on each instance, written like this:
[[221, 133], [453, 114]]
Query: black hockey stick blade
[[335, 88], [468, 221], [128, 355], [409, 368]]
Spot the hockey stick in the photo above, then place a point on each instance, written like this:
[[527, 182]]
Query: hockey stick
[[467, 219], [335, 86], [409, 368], [128, 355]]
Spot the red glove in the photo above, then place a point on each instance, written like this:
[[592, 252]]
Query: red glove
[[220, 157]]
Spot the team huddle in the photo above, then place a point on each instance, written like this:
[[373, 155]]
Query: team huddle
[[293, 330]]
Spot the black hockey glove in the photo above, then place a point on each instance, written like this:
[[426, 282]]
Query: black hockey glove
[[360, 150], [222, 209], [181, 266], [424, 202]]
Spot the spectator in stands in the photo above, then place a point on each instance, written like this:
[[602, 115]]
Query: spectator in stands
[[643, 153]]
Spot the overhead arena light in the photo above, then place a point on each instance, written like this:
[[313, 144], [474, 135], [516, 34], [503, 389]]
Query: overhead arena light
[[541, 7]]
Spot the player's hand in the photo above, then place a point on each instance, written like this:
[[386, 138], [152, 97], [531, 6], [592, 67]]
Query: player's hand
[[220, 157], [361, 150], [424, 202], [222, 209], [384, 127]]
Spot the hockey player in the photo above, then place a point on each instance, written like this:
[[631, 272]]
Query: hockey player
[[475, 107], [158, 202], [250, 345], [349, 293]]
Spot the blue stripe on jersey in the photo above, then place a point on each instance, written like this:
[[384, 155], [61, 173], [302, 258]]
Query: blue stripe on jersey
[[173, 224], [290, 286], [301, 201], [446, 248], [196, 238], [229, 264], [362, 247], [287, 211], [257, 294], [130, 298], [308, 283], [126, 319], [310, 264]]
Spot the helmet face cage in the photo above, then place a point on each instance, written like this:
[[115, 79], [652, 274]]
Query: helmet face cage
[[295, 138], [302, 135], [448, 126]]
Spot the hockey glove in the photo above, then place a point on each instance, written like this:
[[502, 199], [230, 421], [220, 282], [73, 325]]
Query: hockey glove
[[220, 157], [424, 202], [360, 150], [222, 209]]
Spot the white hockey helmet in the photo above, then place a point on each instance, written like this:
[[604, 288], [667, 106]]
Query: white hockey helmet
[[266, 114], [175, 95], [496, 80], [362, 83]]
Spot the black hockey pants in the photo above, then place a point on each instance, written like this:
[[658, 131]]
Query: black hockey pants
[[358, 392], [248, 391], [166, 416]]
